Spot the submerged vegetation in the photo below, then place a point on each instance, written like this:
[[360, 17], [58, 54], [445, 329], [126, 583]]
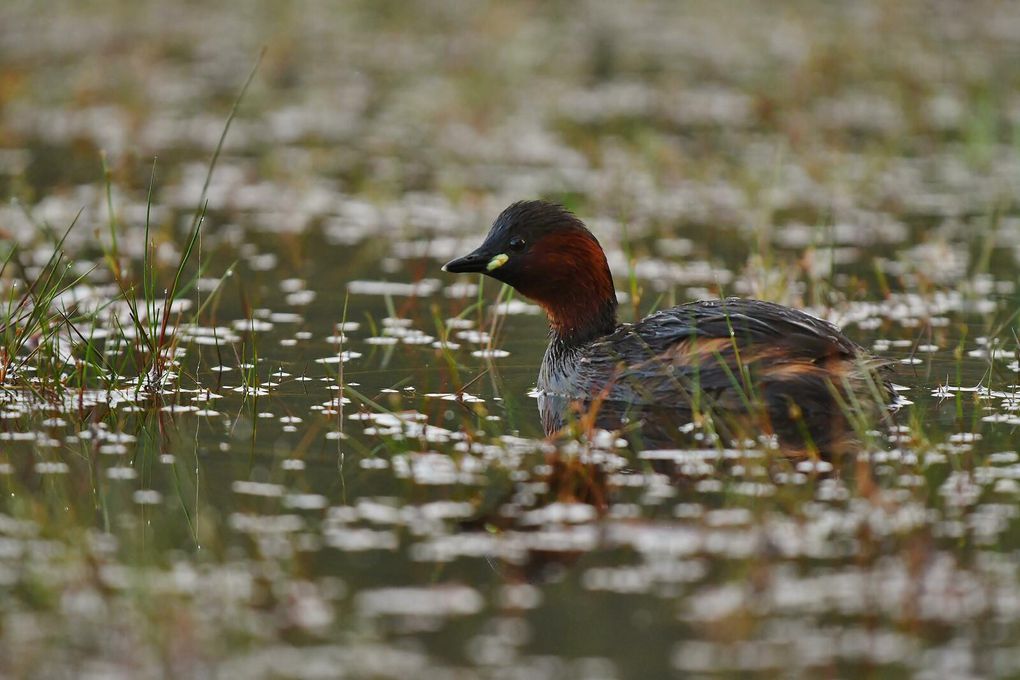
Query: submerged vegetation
[[249, 429]]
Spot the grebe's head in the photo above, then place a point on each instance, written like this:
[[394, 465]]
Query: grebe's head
[[547, 254]]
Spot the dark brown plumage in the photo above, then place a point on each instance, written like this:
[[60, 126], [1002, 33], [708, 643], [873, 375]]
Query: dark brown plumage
[[739, 360]]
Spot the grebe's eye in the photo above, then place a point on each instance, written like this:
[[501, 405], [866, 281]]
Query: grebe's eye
[[517, 244]]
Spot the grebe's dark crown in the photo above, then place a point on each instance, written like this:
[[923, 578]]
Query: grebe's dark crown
[[534, 219]]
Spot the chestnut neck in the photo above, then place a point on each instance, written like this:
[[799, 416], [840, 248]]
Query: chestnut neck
[[569, 277], [578, 322]]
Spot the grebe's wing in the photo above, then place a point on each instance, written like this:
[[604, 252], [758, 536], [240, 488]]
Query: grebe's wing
[[727, 347]]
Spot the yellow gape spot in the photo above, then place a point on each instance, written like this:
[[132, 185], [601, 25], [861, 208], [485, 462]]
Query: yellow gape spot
[[497, 262]]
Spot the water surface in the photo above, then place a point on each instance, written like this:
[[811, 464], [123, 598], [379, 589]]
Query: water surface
[[335, 466]]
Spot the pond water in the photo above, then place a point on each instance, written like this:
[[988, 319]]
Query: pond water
[[324, 457]]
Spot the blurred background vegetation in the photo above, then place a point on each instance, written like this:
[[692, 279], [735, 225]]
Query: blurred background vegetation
[[861, 160]]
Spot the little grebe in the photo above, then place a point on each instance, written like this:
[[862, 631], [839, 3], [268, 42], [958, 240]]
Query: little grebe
[[725, 355]]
